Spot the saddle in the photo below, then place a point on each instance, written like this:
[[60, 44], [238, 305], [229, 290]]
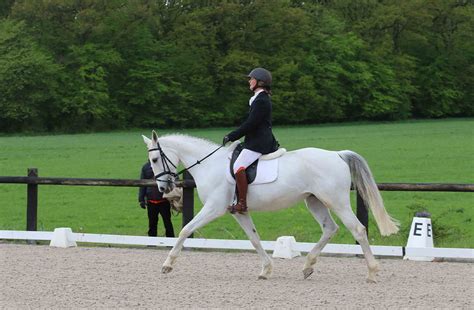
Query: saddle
[[267, 170]]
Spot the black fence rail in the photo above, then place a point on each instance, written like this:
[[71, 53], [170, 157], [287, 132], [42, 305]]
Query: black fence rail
[[33, 180]]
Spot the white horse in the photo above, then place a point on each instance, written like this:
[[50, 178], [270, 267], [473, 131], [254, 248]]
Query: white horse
[[322, 178]]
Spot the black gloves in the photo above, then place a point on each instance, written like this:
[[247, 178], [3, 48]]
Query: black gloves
[[142, 205], [225, 140]]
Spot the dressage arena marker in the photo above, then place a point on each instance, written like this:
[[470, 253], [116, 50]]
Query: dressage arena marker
[[285, 248], [62, 238], [421, 236], [347, 249]]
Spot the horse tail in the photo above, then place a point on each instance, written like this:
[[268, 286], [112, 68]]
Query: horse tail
[[364, 183]]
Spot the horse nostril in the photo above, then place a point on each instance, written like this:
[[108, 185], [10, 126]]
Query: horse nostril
[[162, 189]]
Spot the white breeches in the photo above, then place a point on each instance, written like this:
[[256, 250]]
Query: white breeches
[[245, 159]]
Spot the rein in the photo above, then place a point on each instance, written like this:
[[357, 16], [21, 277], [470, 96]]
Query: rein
[[166, 168]]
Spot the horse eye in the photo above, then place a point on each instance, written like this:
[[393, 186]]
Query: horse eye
[[154, 160]]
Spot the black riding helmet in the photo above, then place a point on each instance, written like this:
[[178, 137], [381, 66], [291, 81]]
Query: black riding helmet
[[262, 75]]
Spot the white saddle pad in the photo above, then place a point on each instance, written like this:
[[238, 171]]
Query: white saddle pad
[[267, 170]]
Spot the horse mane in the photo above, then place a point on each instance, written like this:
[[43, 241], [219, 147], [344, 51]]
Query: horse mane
[[192, 139]]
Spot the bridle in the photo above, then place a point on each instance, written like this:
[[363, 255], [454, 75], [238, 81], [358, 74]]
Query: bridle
[[165, 161]]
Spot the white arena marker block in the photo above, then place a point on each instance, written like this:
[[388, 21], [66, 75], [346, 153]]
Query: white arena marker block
[[62, 238], [285, 247], [421, 236]]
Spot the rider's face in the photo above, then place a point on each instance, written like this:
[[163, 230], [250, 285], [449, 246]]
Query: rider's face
[[252, 83]]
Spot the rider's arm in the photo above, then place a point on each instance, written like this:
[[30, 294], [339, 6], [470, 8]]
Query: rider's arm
[[260, 109]]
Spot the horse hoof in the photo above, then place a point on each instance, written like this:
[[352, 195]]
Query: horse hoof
[[166, 269], [369, 280], [262, 277], [307, 272]]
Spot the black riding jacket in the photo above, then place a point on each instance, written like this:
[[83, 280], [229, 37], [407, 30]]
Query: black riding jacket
[[257, 128]]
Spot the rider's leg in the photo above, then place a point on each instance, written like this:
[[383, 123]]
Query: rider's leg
[[245, 159], [242, 186]]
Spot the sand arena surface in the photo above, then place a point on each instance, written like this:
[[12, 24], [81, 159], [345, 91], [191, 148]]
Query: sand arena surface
[[98, 277]]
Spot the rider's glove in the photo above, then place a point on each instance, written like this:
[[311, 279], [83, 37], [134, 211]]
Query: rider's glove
[[225, 140], [142, 205]]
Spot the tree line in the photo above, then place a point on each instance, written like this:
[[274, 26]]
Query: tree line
[[75, 65]]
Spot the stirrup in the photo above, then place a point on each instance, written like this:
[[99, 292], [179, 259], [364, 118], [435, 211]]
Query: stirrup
[[232, 209]]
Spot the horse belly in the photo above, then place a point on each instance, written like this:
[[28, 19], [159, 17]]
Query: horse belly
[[265, 200]]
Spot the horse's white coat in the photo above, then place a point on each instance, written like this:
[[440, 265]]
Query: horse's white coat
[[322, 178]]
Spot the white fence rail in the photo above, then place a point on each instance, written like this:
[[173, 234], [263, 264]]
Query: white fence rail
[[388, 251]]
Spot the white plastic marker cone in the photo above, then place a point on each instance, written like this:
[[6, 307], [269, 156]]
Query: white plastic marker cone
[[62, 238], [284, 247], [421, 236]]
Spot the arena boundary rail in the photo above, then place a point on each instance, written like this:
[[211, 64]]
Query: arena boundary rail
[[222, 244]]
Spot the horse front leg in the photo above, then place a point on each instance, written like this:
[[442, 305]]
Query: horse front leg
[[245, 221], [208, 213]]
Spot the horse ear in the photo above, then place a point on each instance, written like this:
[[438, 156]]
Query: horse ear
[[146, 140], [154, 136]]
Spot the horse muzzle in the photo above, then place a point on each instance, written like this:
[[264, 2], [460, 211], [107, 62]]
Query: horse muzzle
[[165, 187]]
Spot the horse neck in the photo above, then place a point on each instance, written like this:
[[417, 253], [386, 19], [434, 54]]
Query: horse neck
[[189, 150]]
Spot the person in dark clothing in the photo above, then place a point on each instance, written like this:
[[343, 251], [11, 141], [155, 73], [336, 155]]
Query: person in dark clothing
[[151, 199], [257, 129]]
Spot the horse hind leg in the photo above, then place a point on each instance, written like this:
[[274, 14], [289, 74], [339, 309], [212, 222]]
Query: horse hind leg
[[358, 230], [245, 221], [328, 227]]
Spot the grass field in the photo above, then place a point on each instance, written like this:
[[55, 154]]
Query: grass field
[[416, 151]]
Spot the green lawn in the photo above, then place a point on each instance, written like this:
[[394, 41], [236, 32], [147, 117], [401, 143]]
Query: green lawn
[[417, 151]]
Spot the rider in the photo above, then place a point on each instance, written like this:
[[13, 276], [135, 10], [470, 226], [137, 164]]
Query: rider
[[257, 129]]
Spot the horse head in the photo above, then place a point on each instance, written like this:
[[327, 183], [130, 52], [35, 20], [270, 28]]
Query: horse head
[[162, 162]]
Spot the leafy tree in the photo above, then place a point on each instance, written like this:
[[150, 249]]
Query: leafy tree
[[183, 63], [5, 7], [89, 102], [29, 81]]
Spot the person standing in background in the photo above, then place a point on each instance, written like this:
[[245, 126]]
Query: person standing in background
[[151, 199]]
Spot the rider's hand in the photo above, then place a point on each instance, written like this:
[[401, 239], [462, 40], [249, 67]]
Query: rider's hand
[[225, 140], [142, 205]]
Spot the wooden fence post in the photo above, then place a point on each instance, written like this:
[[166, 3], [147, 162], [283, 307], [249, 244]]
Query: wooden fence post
[[188, 200], [32, 203], [362, 213]]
